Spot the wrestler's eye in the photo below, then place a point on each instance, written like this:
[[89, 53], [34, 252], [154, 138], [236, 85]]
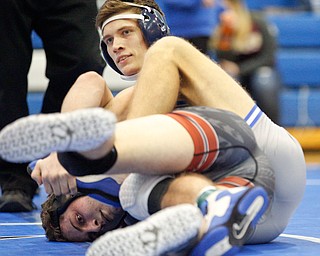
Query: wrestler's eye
[[108, 41], [79, 219], [126, 32]]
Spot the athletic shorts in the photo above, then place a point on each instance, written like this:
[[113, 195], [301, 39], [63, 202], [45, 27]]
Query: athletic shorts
[[265, 154], [286, 157]]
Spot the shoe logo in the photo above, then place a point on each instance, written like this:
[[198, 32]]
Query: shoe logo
[[240, 230], [149, 239]]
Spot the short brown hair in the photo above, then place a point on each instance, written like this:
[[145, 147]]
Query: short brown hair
[[51, 211], [113, 7]]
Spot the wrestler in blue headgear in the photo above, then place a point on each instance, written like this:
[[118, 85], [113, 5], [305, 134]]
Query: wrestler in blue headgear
[[151, 22], [103, 188]]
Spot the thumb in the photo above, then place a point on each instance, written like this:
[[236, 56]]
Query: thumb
[[35, 172]]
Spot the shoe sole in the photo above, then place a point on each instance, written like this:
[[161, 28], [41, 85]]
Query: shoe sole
[[36, 136], [227, 239], [165, 231]]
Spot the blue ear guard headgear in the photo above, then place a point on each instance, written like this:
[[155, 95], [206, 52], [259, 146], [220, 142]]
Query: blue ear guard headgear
[[105, 190], [152, 24]]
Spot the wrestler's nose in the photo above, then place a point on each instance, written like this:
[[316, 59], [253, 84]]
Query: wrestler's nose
[[94, 226], [117, 44]]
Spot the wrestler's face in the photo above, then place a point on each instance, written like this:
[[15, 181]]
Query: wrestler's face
[[125, 45], [86, 219]]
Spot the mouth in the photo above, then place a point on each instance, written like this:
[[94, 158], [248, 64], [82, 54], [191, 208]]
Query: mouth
[[104, 229], [122, 58]]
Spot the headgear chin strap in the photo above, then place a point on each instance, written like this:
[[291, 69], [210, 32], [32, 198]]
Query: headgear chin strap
[[151, 22]]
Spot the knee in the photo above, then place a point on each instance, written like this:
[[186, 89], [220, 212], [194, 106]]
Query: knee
[[268, 230], [166, 48], [91, 78]]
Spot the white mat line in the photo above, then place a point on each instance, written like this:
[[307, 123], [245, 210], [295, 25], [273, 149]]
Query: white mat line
[[21, 224], [305, 238], [20, 237]]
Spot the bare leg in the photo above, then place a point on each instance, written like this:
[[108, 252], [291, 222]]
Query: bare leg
[[185, 189], [204, 83], [198, 190], [140, 141], [172, 65], [228, 214]]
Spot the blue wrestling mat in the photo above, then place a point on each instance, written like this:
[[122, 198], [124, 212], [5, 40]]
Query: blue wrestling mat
[[22, 234]]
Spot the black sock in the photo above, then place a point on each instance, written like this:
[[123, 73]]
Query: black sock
[[78, 165], [156, 195]]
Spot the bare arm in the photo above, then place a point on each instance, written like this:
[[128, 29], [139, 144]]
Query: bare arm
[[89, 90], [120, 103]]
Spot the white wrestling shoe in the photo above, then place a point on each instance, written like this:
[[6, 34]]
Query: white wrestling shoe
[[165, 231], [36, 136], [231, 214]]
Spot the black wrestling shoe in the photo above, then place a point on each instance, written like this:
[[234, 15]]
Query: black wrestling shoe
[[16, 201]]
